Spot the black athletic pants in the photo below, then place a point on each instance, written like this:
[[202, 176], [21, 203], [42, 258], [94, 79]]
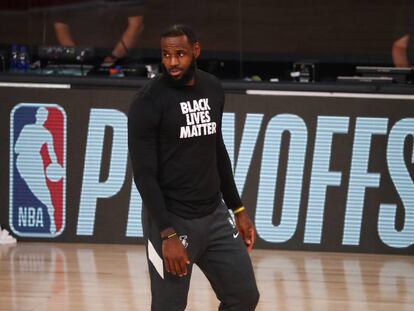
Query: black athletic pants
[[214, 244]]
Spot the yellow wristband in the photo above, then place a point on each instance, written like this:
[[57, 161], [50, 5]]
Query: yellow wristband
[[238, 210], [169, 236]]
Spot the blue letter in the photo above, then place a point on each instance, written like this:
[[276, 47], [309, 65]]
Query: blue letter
[[92, 188], [360, 179], [294, 178], [322, 177], [404, 185]]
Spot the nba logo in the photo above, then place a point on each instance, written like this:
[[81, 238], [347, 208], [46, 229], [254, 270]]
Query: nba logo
[[37, 170]]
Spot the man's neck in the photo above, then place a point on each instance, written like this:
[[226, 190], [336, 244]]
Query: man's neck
[[191, 82]]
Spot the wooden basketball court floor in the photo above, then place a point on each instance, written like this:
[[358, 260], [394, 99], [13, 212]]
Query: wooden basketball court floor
[[50, 276]]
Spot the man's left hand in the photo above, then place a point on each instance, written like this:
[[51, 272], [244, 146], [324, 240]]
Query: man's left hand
[[246, 229]]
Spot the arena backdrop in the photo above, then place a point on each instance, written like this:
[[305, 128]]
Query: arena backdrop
[[326, 173]]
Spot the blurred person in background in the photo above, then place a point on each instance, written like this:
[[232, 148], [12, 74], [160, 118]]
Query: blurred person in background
[[113, 24]]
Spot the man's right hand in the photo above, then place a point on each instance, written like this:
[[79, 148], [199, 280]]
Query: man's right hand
[[175, 256]]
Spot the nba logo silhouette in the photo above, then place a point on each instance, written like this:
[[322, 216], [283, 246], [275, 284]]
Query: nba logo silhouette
[[37, 170]]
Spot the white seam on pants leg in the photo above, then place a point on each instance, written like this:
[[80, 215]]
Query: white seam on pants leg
[[155, 259]]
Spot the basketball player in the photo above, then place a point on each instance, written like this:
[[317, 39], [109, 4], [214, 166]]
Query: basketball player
[[183, 173]]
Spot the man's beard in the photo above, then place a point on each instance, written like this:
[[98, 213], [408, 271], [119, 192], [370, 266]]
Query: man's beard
[[186, 77]]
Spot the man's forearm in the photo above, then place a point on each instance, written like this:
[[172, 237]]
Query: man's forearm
[[129, 37]]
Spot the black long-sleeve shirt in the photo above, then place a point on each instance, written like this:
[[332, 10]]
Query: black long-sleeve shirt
[[178, 156]]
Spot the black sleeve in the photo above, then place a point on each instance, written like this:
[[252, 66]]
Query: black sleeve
[[227, 186], [142, 143]]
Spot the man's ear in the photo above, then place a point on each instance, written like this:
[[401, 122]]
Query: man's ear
[[197, 49]]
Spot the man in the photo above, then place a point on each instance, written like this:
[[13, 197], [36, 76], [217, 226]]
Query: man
[[183, 173], [120, 21]]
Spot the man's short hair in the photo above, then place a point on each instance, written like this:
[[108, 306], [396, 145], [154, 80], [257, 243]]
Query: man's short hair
[[178, 30]]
